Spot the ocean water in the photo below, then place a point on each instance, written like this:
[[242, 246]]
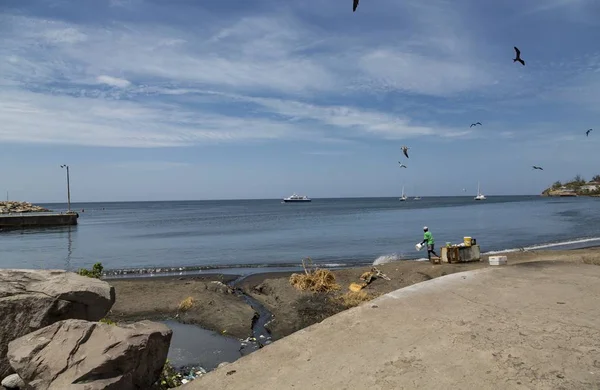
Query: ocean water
[[241, 236]]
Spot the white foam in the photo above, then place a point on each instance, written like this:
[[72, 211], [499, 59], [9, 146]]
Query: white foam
[[544, 246], [387, 259]]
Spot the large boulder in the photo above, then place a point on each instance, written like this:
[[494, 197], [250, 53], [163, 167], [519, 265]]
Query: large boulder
[[32, 299], [76, 354]]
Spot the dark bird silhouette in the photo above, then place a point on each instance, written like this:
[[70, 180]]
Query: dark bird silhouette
[[405, 150], [540, 168], [401, 165], [475, 124], [518, 58], [587, 133], [355, 5]]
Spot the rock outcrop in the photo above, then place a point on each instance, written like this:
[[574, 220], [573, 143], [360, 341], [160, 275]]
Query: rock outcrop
[[7, 207], [76, 354], [13, 382], [31, 300]]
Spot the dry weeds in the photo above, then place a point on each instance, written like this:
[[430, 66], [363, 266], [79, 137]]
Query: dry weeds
[[186, 304], [355, 298], [314, 279]]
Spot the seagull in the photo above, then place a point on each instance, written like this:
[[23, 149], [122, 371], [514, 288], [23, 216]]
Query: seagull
[[355, 5], [587, 133], [518, 56], [540, 168], [401, 165], [405, 150], [475, 124]]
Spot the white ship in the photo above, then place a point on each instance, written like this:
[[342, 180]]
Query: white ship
[[479, 196], [296, 199]]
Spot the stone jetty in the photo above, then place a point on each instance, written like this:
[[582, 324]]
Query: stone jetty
[[7, 207]]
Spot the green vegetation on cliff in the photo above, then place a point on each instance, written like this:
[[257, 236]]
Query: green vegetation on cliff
[[578, 185]]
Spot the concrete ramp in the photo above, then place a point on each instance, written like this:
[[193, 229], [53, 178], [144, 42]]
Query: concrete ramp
[[528, 326]]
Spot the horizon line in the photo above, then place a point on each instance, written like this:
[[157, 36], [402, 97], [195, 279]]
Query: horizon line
[[246, 199]]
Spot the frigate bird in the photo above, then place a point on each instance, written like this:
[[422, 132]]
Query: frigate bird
[[475, 124], [355, 5], [518, 58], [405, 150], [401, 165], [587, 133], [540, 168]]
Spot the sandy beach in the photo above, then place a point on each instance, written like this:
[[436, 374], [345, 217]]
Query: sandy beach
[[217, 307]]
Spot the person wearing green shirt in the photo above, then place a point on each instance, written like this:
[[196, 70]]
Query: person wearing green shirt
[[428, 238]]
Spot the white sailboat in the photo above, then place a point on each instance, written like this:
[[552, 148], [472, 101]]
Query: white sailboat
[[403, 197], [479, 196]]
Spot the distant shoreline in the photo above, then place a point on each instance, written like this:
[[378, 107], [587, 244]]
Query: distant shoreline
[[391, 197]]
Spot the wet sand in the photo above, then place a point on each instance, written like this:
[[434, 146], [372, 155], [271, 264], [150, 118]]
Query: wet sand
[[217, 308]]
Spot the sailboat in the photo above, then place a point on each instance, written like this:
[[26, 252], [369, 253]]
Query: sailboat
[[416, 197], [403, 197], [479, 196]]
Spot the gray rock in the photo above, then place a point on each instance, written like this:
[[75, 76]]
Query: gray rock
[[32, 299], [13, 381], [77, 354], [223, 364]]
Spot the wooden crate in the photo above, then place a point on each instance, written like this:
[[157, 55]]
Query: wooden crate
[[458, 254]]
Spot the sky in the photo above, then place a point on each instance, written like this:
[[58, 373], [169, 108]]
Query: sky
[[232, 99]]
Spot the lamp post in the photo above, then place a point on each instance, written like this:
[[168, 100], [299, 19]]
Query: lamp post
[[68, 187]]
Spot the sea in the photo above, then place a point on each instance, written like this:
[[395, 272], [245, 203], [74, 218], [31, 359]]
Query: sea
[[248, 236]]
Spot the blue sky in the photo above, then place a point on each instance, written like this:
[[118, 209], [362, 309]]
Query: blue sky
[[182, 99]]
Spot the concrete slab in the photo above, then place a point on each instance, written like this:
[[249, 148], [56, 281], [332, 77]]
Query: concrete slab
[[527, 326]]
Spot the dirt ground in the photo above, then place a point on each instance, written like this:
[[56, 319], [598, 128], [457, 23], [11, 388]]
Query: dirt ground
[[216, 308]]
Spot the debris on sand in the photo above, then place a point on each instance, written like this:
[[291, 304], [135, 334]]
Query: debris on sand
[[314, 279]]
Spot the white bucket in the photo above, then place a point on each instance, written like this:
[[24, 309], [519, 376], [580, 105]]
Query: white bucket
[[419, 246]]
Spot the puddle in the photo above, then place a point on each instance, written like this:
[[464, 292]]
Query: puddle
[[192, 345]]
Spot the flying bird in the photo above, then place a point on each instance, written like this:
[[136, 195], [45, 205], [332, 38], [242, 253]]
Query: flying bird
[[540, 168], [401, 165], [405, 150], [587, 133], [518, 58], [355, 5], [475, 124]]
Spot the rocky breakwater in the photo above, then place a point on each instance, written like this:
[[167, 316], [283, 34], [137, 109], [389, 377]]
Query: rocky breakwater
[[91, 355], [32, 299], [49, 335], [8, 207]]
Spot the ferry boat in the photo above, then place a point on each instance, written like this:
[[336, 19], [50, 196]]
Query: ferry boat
[[479, 196], [296, 199]]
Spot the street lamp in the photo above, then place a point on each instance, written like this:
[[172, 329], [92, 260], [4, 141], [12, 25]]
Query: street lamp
[[68, 186]]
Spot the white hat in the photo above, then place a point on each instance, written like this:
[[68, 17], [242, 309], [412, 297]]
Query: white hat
[[425, 228]]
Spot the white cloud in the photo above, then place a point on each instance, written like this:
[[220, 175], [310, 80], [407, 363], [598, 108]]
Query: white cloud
[[113, 81], [273, 76]]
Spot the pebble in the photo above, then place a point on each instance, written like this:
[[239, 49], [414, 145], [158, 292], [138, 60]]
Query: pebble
[[13, 382]]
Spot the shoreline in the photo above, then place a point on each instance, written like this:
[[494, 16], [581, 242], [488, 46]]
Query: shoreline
[[218, 307], [332, 265]]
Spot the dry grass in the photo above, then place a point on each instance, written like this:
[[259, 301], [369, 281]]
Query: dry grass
[[317, 280], [186, 304], [355, 298], [591, 260]]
